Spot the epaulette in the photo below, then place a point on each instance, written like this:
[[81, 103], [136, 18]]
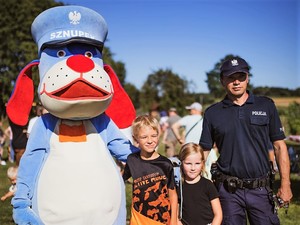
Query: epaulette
[[212, 105], [265, 97]]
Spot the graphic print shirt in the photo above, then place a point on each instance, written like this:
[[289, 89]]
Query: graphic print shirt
[[151, 181]]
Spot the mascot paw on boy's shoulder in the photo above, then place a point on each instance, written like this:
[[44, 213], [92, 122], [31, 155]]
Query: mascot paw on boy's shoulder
[[67, 174]]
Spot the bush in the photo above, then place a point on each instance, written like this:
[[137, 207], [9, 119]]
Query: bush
[[293, 117]]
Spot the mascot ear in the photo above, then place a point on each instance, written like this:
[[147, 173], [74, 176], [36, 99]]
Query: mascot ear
[[121, 109], [20, 103]]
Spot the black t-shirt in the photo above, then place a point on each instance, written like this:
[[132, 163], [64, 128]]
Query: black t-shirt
[[19, 140], [151, 181], [242, 135], [197, 208]]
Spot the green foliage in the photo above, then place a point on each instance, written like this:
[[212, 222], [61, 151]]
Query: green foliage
[[292, 217], [293, 117], [213, 79], [119, 67], [133, 93], [276, 92], [164, 89], [16, 45]]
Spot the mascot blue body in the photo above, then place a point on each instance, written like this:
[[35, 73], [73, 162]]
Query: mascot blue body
[[67, 174]]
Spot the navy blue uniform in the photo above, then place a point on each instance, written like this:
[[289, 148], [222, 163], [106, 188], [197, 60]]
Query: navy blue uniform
[[242, 135]]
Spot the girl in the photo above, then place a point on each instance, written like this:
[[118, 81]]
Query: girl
[[200, 201]]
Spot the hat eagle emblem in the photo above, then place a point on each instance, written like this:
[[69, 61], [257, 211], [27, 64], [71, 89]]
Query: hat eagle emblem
[[74, 17], [234, 62]]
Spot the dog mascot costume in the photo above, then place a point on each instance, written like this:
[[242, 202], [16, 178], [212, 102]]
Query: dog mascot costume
[[67, 175]]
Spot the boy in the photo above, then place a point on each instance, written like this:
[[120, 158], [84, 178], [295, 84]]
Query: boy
[[154, 197]]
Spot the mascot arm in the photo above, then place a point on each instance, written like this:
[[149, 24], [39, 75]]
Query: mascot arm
[[30, 165], [118, 144]]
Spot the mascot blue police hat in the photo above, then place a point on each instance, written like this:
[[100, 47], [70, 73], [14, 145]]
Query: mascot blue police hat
[[71, 24]]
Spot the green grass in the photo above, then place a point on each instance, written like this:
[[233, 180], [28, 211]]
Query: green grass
[[293, 214], [291, 218]]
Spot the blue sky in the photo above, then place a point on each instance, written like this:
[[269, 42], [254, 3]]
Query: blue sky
[[191, 36]]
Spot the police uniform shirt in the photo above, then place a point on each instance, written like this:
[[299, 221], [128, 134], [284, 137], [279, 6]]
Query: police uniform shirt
[[242, 134]]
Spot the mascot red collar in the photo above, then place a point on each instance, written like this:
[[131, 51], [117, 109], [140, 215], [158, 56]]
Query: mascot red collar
[[67, 174]]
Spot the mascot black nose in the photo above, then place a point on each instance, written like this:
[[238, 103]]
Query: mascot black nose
[[80, 63]]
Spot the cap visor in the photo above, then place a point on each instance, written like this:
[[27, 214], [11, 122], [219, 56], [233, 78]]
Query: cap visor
[[83, 40], [237, 71]]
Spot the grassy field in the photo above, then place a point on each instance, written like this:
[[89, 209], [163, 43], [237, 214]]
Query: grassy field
[[285, 101], [291, 218]]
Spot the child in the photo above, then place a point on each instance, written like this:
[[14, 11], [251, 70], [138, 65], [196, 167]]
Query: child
[[201, 204], [12, 176], [2, 142], [154, 197]]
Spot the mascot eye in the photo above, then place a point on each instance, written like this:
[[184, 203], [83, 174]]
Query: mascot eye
[[88, 54], [61, 53]]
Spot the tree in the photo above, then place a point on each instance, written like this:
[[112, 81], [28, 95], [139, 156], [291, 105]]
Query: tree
[[119, 67], [164, 89], [275, 92], [16, 45], [133, 93], [120, 70], [213, 79]]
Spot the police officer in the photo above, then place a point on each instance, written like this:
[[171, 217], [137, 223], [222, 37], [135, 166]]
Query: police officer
[[242, 125]]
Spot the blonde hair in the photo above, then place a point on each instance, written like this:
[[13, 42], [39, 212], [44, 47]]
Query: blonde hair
[[142, 121], [12, 172], [188, 149]]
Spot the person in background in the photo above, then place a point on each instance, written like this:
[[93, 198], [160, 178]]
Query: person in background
[[210, 159], [2, 142], [200, 198], [9, 135], [163, 120], [12, 176], [272, 157], [242, 125], [19, 140], [39, 110], [192, 125], [154, 113], [154, 197], [169, 139]]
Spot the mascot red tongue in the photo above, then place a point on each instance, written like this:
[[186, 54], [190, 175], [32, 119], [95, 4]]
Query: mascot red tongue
[[67, 174]]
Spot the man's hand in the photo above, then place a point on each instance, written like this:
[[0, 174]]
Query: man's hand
[[285, 193]]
